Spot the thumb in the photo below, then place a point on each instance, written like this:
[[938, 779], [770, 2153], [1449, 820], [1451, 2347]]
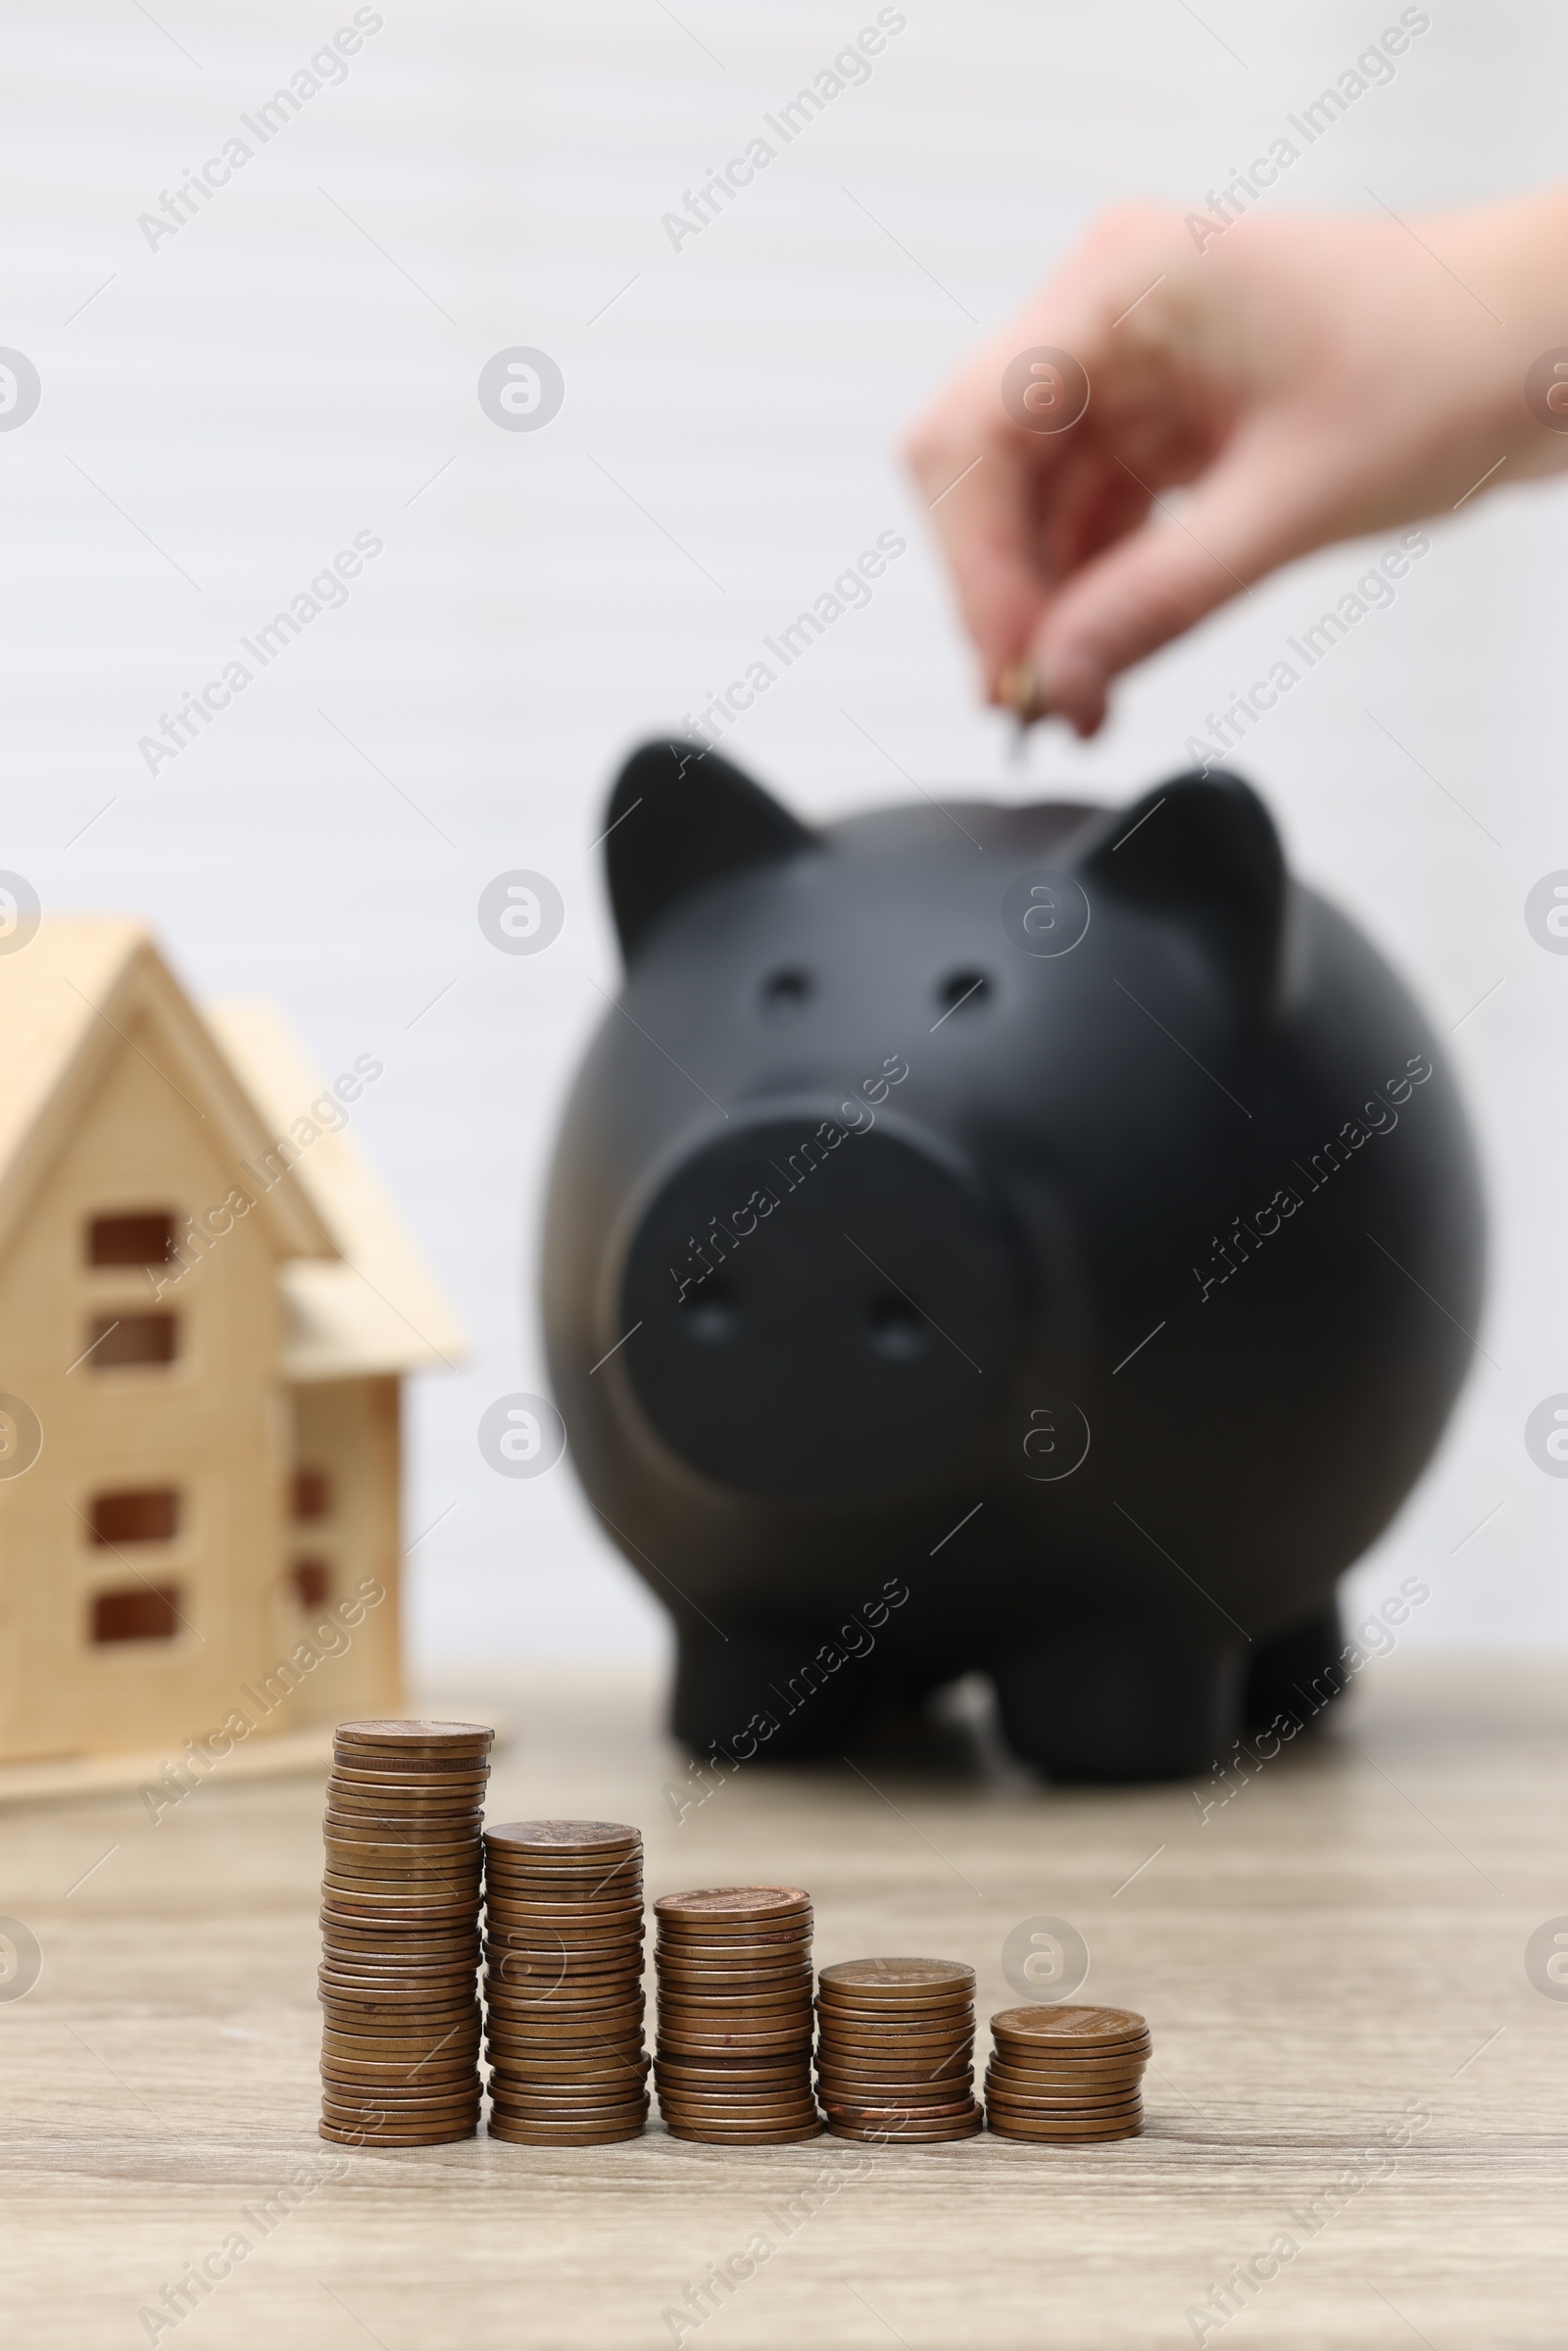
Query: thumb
[[1245, 517]]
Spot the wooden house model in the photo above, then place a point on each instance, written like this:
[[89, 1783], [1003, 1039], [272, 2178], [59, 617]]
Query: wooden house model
[[207, 1306]]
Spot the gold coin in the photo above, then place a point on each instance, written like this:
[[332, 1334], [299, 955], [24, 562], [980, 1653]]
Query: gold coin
[[724, 2007], [407, 2057], [614, 1873], [734, 1950], [896, 1980], [380, 2124], [604, 1956], [1085, 2108], [545, 2134], [882, 2135], [399, 1953], [602, 2114], [561, 2040], [375, 1894], [362, 2135], [419, 1886], [794, 1988], [414, 1754], [955, 2078], [717, 2134], [394, 1991], [896, 2086], [759, 2034], [452, 1820], [524, 1995], [607, 2067], [436, 1997], [715, 1905], [587, 1959], [765, 2073], [958, 2112], [396, 1792], [425, 2074], [937, 2017], [733, 2118], [613, 2025], [1056, 2093], [604, 1919], [421, 2102], [372, 1852], [1061, 2077], [607, 2024], [414, 1838], [1051, 2023], [528, 1839], [1060, 2134], [415, 1731], [861, 2031]]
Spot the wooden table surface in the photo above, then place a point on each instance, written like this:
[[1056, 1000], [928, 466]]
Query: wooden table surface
[[1336, 1953]]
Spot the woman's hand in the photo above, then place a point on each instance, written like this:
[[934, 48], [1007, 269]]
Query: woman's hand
[[1311, 378]]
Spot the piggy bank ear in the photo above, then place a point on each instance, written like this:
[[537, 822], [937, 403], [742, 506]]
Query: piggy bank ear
[[680, 816], [1202, 850]]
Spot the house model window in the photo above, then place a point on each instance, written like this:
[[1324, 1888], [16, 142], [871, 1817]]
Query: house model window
[[145, 1237], [138, 1612], [115, 1340], [312, 1493], [143, 1514], [312, 1584]]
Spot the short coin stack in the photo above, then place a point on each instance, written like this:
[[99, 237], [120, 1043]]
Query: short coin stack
[[895, 2053], [734, 2063], [563, 1983], [400, 1920], [1066, 2074]]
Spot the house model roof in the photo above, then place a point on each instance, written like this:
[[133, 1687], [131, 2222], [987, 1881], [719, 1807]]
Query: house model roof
[[378, 1308], [81, 991], [357, 1295]]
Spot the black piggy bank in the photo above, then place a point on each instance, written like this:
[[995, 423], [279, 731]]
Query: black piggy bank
[[1041, 1240]]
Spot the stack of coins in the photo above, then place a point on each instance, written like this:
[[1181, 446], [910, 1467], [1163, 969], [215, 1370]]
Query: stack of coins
[[563, 1983], [734, 2063], [895, 2053], [400, 1920], [1066, 2074]]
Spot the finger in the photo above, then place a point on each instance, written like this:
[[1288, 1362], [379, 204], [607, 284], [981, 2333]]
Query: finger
[[1248, 515], [1011, 502], [982, 499]]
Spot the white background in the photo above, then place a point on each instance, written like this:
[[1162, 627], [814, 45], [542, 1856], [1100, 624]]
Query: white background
[[301, 360]]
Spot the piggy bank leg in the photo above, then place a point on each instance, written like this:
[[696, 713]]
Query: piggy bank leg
[[785, 1696], [1297, 1674], [1093, 1706]]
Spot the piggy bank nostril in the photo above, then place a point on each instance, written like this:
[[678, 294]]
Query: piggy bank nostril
[[966, 989], [786, 989], [709, 1315], [895, 1327]]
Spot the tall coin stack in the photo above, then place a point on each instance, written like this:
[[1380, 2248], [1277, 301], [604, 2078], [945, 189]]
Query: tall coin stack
[[734, 2062], [894, 2051], [1066, 2074], [400, 1920], [563, 1983]]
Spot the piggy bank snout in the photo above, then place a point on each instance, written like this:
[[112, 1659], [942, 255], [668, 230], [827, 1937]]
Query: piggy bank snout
[[816, 1311]]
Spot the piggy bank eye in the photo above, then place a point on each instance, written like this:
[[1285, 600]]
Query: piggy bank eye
[[962, 991], [785, 990]]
